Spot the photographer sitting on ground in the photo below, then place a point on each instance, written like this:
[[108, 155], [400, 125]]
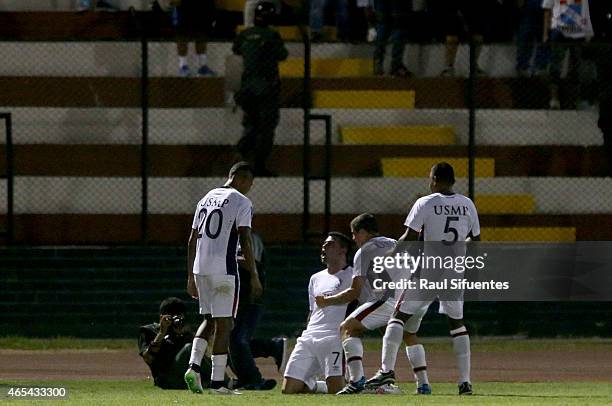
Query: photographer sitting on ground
[[166, 346]]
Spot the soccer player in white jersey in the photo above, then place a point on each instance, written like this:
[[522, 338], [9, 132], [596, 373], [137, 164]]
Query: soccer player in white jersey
[[376, 306], [443, 216], [221, 218], [319, 350]]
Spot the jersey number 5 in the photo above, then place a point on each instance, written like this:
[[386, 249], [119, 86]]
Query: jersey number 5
[[206, 220], [449, 229]]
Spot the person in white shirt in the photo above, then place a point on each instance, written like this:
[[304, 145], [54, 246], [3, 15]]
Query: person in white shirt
[[567, 24], [221, 218], [447, 217], [319, 350], [376, 306]]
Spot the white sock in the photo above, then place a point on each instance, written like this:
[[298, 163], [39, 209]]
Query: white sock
[[320, 387], [461, 347], [416, 357], [203, 59], [219, 362], [391, 343], [353, 348], [198, 348], [182, 61]]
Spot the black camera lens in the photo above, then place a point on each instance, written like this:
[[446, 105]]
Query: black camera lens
[[177, 321]]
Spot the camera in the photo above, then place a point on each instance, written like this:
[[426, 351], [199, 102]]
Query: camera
[[177, 321]]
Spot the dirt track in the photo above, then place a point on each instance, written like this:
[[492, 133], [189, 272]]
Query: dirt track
[[527, 366]]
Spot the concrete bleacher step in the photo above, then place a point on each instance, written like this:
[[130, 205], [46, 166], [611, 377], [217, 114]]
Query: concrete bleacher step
[[420, 167], [398, 135], [505, 204], [364, 99], [332, 67], [528, 234]]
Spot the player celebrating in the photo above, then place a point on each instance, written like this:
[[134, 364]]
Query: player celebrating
[[222, 217], [430, 216], [377, 306], [319, 349]]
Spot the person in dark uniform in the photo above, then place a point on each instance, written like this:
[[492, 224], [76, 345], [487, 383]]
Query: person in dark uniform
[[166, 346], [262, 49], [243, 347]]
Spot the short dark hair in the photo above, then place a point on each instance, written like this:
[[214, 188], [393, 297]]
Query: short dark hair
[[343, 239], [365, 221], [172, 305], [240, 167], [443, 172]]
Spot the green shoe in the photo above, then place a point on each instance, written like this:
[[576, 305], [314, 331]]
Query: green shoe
[[192, 379]]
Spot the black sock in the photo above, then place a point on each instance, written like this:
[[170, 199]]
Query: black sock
[[216, 384], [195, 367]]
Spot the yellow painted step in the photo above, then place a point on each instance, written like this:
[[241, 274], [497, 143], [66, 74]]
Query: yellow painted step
[[332, 67], [420, 167], [528, 234], [230, 5], [398, 135], [364, 99], [505, 204], [292, 33]]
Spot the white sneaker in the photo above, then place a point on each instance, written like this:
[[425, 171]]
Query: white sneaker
[[224, 391], [193, 381], [554, 104]]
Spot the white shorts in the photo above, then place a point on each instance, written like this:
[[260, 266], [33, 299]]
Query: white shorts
[[312, 357], [373, 315], [418, 308], [218, 294]]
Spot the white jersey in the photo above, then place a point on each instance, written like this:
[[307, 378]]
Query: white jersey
[[217, 218], [326, 321], [444, 217], [363, 266], [571, 17]]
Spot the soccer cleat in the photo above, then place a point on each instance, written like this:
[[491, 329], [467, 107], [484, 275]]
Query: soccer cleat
[[264, 384], [465, 388], [281, 353], [192, 379], [353, 388], [401, 72], [381, 378], [184, 71], [224, 391], [206, 71], [424, 389]]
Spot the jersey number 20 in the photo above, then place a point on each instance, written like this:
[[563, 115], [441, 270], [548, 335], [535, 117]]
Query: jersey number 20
[[205, 223]]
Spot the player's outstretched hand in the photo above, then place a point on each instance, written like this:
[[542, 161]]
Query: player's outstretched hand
[[256, 288], [321, 301], [164, 323], [191, 288]]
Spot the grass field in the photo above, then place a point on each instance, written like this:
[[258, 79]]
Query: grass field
[[487, 393]]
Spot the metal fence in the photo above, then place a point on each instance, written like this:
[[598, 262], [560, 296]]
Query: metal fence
[[109, 128]]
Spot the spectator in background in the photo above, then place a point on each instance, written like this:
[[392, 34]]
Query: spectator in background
[[166, 346], [261, 49], [368, 12], [243, 348], [193, 19], [529, 36], [317, 19], [249, 11], [392, 20], [93, 5], [567, 25], [462, 16]]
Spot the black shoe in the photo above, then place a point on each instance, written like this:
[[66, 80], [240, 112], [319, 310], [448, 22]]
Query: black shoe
[[353, 388], [265, 384], [379, 70], [465, 388], [381, 378], [281, 353]]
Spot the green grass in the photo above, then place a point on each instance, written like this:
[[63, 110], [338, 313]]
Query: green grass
[[441, 344], [491, 393]]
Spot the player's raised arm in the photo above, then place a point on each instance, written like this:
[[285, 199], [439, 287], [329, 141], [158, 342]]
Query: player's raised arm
[[191, 254], [246, 243]]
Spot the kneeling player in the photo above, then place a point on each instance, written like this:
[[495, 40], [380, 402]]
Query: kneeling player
[[319, 350]]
